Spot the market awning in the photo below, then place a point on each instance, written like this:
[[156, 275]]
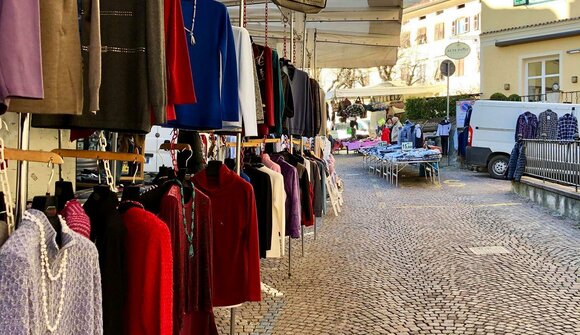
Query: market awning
[[347, 33], [386, 89]]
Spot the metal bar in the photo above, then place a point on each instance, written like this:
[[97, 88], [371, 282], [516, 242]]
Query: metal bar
[[22, 166], [238, 153], [292, 44], [289, 256], [302, 235], [232, 321], [60, 147]]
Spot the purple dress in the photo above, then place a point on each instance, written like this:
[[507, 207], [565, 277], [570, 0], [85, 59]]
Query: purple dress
[[292, 188], [20, 56]]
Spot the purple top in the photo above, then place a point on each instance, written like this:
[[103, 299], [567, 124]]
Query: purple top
[[292, 189], [526, 126], [20, 57]]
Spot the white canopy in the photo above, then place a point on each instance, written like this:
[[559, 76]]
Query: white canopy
[[385, 89], [346, 34]]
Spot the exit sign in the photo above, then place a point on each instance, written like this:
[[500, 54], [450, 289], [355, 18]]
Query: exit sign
[[520, 2]]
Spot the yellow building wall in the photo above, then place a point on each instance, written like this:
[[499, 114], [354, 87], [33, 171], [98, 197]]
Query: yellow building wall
[[505, 65], [501, 14]]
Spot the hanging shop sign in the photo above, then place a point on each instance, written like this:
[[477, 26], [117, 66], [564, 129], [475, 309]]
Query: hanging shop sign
[[407, 146], [457, 50], [447, 68], [302, 6]]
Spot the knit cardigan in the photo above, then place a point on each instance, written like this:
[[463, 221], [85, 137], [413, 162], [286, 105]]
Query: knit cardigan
[[20, 278]]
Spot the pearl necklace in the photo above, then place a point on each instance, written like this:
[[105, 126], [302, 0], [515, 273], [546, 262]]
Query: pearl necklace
[[46, 272]]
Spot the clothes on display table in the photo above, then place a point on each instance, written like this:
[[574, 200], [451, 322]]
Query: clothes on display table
[[218, 98], [21, 70], [236, 271], [246, 89], [413, 155], [548, 125], [133, 87], [72, 301], [526, 126], [567, 127]]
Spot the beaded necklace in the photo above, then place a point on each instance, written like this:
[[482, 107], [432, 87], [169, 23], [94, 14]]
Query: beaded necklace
[[47, 272], [188, 234], [190, 31]]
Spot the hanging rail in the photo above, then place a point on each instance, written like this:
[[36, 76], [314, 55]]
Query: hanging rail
[[100, 155], [32, 156]]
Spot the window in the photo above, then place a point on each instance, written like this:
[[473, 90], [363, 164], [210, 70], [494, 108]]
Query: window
[[460, 67], [476, 22], [422, 36], [423, 17], [439, 12], [439, 31], [461, 6], [437, 66], [405, 40], [541, 75], [460, 26]]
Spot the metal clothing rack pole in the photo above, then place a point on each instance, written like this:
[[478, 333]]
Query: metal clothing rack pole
[[302, 226], [289, 236], [22, 167]]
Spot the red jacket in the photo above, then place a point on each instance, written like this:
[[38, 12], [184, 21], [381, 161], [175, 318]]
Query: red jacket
[[236, 249], [386, 135], [180, 88], [149, 306]]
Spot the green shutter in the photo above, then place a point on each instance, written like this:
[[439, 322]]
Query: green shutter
[[520, 2]]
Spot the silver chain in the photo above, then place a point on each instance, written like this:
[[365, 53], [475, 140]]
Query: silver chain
[[106, 165]]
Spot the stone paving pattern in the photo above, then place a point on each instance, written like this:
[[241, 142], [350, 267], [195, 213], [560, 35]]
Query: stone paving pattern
[[397, 261]]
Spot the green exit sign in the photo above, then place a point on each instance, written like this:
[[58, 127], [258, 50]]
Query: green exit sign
[[520, 2]]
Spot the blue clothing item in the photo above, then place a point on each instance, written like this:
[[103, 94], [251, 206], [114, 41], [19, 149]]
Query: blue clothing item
[[567, 127], [214, 45], [245, 176], [407, 134], [517, 162]]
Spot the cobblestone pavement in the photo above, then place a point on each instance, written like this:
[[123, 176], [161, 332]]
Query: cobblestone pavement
[[397, 261]]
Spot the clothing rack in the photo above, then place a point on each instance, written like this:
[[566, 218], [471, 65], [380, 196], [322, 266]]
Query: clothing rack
[[33, 156], [100, 155]]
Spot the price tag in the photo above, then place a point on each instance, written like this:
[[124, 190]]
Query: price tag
[[406, 146]]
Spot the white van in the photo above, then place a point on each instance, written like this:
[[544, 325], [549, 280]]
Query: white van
[[492, 131]]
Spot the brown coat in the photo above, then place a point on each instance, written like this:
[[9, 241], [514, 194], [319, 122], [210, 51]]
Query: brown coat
[[61, 62]]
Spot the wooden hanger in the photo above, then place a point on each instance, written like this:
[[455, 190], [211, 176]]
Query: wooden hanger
[[33, 156], [100, 155], [175, 146]]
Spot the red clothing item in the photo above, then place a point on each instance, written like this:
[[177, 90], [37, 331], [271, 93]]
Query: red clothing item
[[180, 88], [264, 60], [386, 135], [149, 307], [236, 249]]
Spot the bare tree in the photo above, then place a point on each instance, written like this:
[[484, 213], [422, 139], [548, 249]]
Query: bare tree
[[348, 78], [386, 72]]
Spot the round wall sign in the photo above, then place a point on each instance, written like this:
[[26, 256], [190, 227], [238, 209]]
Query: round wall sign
[[457, 50]]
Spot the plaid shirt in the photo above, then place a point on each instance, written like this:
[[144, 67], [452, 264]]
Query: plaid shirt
[[548, 124], [527, 126], [567, 127]]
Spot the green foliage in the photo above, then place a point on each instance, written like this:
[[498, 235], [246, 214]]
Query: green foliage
[[498, 96], [514, 97], [427, 108]]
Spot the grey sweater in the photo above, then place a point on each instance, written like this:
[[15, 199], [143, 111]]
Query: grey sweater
[[20, 278]]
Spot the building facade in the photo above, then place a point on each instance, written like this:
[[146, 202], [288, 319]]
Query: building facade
[[531, 48], [428, 28]]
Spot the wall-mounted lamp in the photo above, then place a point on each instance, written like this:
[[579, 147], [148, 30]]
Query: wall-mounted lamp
[[573, 51], [506, 87], [574, 79]]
